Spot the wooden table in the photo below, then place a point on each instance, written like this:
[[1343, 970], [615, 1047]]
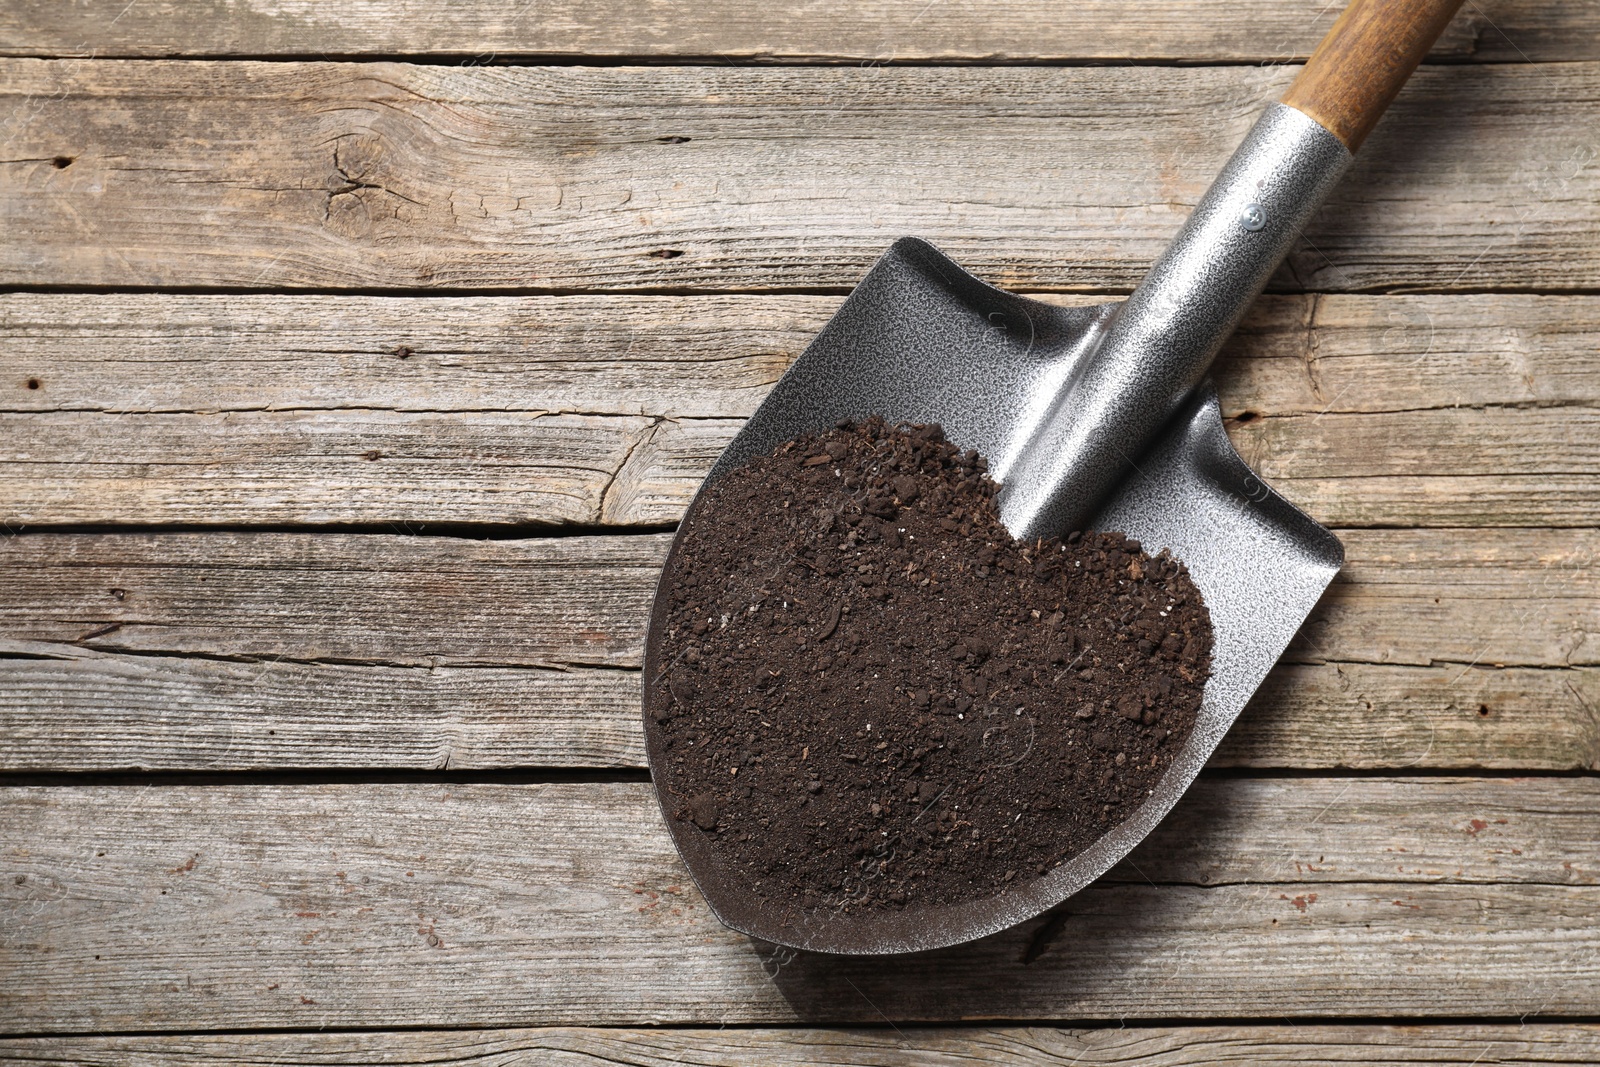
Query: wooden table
[[358, 359]]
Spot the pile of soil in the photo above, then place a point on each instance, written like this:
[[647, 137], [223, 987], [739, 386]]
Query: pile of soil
[[865, 693]]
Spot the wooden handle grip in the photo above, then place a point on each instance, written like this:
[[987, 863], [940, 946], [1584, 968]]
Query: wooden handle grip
[[1364, 60]]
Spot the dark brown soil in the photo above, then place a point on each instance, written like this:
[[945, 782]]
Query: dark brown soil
[[870, 695]]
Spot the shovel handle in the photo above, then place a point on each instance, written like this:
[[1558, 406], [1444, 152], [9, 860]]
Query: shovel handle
[[1361, 64], [1155, 347]]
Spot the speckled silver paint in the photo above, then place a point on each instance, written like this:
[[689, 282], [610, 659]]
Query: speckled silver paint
[[1046, 392], [1159, 344]]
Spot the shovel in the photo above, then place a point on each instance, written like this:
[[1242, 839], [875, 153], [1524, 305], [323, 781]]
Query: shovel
[[1095, 418]]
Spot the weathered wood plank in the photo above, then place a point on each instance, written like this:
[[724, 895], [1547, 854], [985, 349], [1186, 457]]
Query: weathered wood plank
[[1335, 354], [1398, 585], [714, 355], [1508, 466], [355, 466], [708, 356], [72, 709], [1444, 500], [110, 712], [1524, 1045], [332, 175], [410, 601], [1367, 716], [1526, 598], [1532, 466], [880, 31], [362, 905], [140, 408]]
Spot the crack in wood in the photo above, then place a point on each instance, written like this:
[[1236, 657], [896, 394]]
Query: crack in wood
[[603, 511]]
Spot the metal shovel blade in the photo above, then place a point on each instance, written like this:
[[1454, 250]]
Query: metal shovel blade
[[921, 340]]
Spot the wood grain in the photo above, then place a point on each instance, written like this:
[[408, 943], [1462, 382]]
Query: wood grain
[[356, 466], [1372, 717], [198, 905], [875, 31], [1364, 61], [332, 175], [1435, 649], [1514, 1045], [609, 409], [1497, 598], [70, 709], [377, 905], [340, 598], [1516, 467], [714, 355]]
